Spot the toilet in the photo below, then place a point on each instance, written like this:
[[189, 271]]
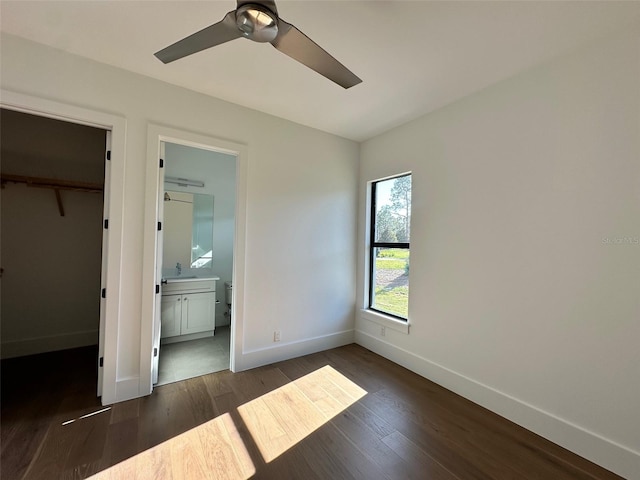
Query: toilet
[[228, 292]]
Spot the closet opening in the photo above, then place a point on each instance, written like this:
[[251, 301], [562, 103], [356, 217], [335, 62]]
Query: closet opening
[[53, 228]]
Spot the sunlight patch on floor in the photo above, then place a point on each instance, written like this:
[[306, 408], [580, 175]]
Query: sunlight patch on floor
[[213, 450], [102, 410], [277, 421], [281, 418]]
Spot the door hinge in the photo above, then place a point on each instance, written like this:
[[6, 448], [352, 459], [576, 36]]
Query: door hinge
[[104, 293], [101, 362], [106, 223], [161, 163], [157, 289], [108, 154], [159, 226], [155, 352]]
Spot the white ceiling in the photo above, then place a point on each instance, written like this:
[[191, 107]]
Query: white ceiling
[[413, 56]]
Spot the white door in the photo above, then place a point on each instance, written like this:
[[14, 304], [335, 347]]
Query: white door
[[103, 281], [157, 323]]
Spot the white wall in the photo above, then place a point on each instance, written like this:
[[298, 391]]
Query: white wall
[[218, 172], [51, 278], [517, 301], [300, 249]]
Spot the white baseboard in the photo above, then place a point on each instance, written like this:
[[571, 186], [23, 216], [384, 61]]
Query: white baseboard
[[285, 351], [31, 346], [602, 451]]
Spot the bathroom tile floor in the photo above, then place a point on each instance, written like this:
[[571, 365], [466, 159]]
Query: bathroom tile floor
[[183, 360]]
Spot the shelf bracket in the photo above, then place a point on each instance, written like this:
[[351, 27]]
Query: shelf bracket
[[59, 200]]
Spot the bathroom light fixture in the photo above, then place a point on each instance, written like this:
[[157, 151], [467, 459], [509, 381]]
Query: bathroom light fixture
[[184, 182]]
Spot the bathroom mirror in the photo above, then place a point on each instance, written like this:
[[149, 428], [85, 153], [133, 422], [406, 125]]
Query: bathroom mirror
[[188, 230]]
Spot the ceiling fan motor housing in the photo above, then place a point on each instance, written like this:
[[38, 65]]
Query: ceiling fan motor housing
[[257, 22]]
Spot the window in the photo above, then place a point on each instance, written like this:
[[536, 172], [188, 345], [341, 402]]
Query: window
[[389, 246]]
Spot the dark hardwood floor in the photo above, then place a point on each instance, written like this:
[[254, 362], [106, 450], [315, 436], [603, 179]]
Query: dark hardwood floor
[[404, 427]]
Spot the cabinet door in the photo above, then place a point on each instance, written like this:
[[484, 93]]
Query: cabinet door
[[198, 312], [170, 314]]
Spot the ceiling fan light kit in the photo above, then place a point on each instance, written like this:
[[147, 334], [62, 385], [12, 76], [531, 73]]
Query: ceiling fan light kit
[[259, 21]]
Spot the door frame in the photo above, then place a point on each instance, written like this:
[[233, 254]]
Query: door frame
[[156, 134], [155, 365], [112, 268]]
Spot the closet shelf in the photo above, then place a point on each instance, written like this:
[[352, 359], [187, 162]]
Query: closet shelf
[[54, 184]]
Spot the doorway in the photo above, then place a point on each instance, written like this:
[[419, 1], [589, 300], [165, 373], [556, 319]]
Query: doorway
[[198, 204], [157, 136], [53, 203]]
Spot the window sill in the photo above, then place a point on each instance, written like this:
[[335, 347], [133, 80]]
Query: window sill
[[385, 321]]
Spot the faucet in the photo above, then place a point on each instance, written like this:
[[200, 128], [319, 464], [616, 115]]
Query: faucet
[[179, 268]]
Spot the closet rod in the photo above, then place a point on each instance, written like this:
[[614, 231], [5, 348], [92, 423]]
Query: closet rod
[[52, 183]]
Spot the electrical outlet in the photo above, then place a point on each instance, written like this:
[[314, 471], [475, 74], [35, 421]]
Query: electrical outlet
[[383, 331], [276, 336]]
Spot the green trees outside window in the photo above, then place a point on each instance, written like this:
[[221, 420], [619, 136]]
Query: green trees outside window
[[389, 251]]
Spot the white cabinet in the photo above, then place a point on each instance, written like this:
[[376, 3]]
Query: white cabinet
[[170, 315], [188, 308], [198, 313]]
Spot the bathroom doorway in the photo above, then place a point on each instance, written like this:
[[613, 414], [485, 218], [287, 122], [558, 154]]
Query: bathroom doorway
[[198, 205]]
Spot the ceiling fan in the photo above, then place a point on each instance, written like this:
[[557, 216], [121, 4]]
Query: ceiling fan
[[258, 20]]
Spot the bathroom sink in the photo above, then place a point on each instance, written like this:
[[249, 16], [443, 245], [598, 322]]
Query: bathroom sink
[[179, 278], [190, 278]]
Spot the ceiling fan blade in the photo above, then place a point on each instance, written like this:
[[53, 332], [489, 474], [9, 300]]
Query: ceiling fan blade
[[297, 45], [221, 32]]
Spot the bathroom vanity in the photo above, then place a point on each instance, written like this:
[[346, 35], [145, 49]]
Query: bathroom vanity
[[188, 308]]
